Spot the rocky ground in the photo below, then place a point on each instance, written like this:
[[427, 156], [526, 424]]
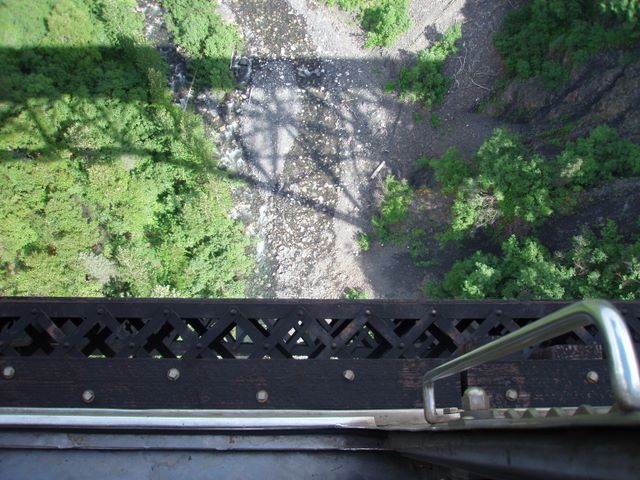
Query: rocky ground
[[315, 125], [313, 134]]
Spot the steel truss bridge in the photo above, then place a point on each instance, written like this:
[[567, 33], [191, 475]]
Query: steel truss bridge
[[150, 388]]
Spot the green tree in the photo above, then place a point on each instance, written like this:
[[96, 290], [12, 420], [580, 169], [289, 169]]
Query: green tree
[[525, 270], [209, 41], [108, 187], [549, 37]]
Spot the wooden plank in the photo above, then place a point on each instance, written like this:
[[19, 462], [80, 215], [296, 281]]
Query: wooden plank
[[543, 383], [221, 384]]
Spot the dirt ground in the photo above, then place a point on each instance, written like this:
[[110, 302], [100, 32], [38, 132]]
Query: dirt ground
[[314, 124]]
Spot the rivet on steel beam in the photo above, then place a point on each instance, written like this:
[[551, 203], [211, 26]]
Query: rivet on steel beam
[[434, 312], [401, 345], [233, 311], [173, 374], [367, 312], [8, 372], [88, 396], [499, 313], [300, 312], [34, 311], [66, 345], [349, 375], [100, 311], [262, 396], [592, 376], [132, 345], [165, 311], [266, 345], [334, 345], [198, 345], [511, 395]]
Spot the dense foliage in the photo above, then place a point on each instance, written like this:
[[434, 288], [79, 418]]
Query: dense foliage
[[394, 209], [548, 37], [598, 265], [508, 187], [108, 188], [524, 270], [425, 82], [208, 41], [383, 20]]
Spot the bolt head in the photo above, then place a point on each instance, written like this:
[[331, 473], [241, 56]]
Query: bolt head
[[475, 398], [511, 394], [88, 396], [349, 375], [592, 376], [8, 372], [262, 396], [173, 374]]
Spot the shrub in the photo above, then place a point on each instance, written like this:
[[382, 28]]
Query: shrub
[[435, 120], [599, 265], [209, 42], [598, 158], [383, 20], [548, 37], [394, 209], [355, 294], [605, 265], [525, 270], [424, 82], [503, 181], [508, 186], [364, 241]]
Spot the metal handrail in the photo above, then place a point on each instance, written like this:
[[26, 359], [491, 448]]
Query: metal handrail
[[625, 377]]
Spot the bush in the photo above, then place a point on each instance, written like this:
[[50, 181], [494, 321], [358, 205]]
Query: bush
[[394, 209], [598, 158], [598, 265], [108, 187], [507, 186], [524, 271], [209, 42], [605, 265], [383, 20], [425, 82], [364, 241], [355, 294], [549, 37], [503, 182]]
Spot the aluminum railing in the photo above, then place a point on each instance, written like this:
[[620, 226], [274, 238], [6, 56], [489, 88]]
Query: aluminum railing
[[623, 363]]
